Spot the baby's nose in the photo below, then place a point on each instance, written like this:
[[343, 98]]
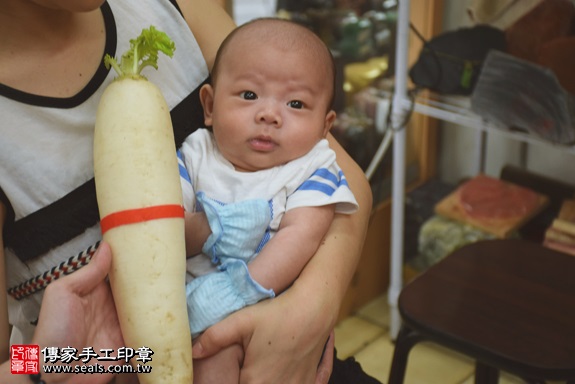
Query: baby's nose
[[269, 114]]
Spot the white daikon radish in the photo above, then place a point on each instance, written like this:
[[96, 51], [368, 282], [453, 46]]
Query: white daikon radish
[[140, 202]]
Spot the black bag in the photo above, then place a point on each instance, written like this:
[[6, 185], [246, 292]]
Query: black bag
[[450, 62]]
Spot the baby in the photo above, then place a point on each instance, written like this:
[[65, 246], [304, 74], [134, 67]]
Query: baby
[[264, 174]]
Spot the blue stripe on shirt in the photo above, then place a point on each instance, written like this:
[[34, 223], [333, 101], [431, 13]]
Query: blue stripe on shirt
[[182, 168], [315, 182], [312, 185]]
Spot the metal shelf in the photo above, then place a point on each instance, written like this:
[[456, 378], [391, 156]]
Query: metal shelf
[[450, 109]]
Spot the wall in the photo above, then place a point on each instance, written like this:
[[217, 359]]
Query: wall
[[246, 10], [458, 148]]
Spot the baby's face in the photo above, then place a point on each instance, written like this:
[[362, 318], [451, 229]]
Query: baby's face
[[270, 106]]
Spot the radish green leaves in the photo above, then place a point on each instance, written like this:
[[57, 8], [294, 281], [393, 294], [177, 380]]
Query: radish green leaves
[[143, 52]]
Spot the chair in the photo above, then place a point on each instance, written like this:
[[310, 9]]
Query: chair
[[508, 304]]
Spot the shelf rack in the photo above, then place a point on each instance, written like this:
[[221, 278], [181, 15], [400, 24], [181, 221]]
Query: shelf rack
[[449, 110]]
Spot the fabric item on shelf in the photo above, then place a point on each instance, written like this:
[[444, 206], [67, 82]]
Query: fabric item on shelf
[[419, 207], [450, 62], [539, 106], [440, 236]]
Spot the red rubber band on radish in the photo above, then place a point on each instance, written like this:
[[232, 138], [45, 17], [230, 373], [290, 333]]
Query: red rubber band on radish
[[133, 216]]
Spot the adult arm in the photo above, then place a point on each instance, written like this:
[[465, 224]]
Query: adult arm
[[209, 23], [288, 333]]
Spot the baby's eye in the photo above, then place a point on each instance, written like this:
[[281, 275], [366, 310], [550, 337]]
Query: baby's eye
[[296, 104], [249, 95]]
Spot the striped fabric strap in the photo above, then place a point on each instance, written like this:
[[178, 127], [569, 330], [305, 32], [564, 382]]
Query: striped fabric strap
[[41, 281]]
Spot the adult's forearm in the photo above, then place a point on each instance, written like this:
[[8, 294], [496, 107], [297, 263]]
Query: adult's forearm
[[328, 274], [330, 271], [202, 16]]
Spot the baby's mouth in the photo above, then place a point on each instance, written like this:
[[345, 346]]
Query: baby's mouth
[[262, 144]]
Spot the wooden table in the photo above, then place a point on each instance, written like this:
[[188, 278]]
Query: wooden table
[[509, 304]]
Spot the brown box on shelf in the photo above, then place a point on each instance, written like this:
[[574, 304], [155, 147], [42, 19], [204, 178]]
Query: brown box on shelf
[[492, 205], [561, 234]]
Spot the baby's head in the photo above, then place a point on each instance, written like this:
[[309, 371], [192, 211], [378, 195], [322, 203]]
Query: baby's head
[[271, 93], [288, 36]]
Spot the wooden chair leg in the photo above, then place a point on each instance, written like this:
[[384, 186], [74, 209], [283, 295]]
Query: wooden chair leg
[[405, 340], [485, 374]]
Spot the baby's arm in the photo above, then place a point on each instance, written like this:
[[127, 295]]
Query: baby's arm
[[283, 258], [197, 232], [214, 296]]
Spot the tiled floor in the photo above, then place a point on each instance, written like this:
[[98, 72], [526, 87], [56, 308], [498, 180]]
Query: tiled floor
[[365, 336]]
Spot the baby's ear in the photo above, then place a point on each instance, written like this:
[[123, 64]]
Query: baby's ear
[[328, 123], [207, 100]]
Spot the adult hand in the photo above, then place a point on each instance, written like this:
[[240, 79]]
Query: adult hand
[[278, 349], [78, 311]]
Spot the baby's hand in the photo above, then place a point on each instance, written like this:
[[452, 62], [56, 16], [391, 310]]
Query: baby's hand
[[212, 297]]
